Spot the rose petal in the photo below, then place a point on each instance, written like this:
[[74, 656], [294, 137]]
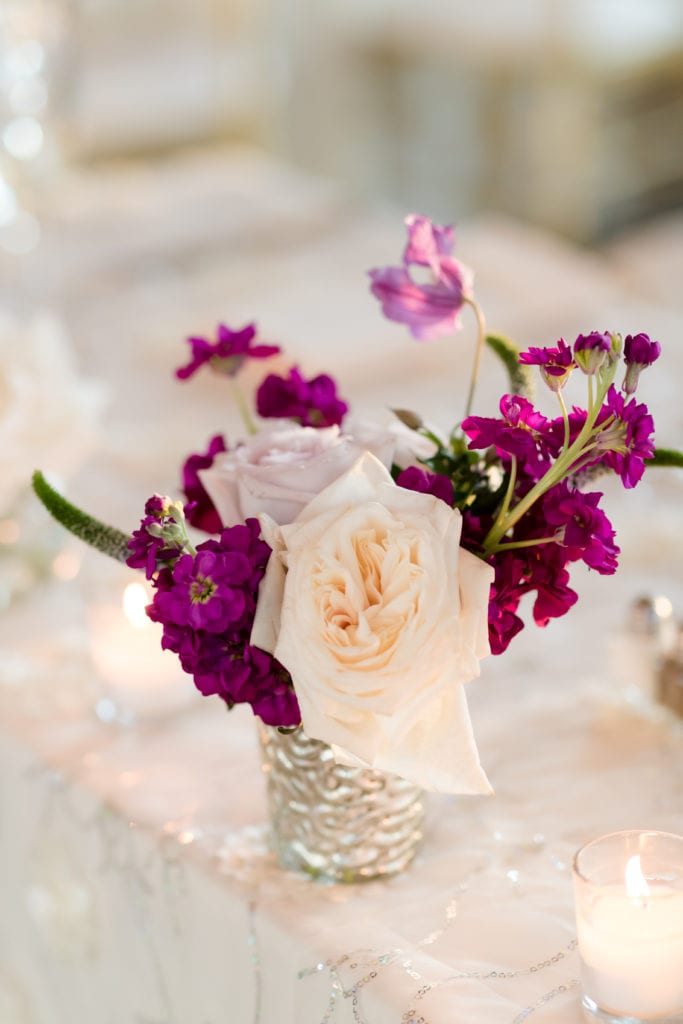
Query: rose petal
[[439, 753]]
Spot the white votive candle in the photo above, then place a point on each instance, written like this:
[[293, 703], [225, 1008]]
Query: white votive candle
[[629, 912]]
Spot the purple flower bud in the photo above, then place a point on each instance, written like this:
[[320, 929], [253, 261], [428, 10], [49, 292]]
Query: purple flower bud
[[159, 540], [592, 350], [639, 352]]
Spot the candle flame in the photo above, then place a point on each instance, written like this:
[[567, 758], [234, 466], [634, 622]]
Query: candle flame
[[636, 884], [135, 600]]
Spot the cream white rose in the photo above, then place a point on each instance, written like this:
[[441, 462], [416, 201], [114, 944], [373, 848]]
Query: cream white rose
[[281, 468], [381, 617]]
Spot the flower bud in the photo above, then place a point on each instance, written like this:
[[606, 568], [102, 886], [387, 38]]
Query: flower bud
[[639, 352], [591, 351]]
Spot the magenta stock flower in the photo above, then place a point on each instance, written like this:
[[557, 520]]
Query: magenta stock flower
[[623, 444], [206, 590], [215, 589], [550, 579], [556, 364], [540, 569], [227, 354], [415, 479], [504, 624], [639, 352], [628, 437], [584, 530], [431, 309], [242, 674], [206, 604], [520, 431], [507, 590], [200, 511], [312, 403]]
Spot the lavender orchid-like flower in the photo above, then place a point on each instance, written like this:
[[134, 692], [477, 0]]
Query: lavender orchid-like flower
[[431, 309]]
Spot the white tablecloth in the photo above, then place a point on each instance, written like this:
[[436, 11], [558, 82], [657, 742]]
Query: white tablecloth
[[137, 883]]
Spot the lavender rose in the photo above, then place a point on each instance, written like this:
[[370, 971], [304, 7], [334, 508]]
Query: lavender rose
[[281, 468]]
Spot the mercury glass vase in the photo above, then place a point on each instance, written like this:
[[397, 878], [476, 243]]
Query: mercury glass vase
[[337, 823]]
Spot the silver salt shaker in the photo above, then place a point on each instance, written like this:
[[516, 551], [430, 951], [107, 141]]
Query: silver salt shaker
[[639, 649]]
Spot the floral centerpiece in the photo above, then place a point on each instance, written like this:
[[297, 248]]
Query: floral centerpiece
[[354, 576]]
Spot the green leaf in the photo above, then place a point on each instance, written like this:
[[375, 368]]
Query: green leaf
[[521, 376], [469, 472], [666, 457], [106, 539]]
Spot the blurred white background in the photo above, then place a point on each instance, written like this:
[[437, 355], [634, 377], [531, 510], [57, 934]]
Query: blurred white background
[[565, 113]]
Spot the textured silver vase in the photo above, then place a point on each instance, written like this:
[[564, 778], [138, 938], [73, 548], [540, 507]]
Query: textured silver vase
[[333, 822]]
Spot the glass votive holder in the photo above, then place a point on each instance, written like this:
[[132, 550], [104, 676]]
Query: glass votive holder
[[140, 682], [628, 892]]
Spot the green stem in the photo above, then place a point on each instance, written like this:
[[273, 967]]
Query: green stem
[[508, 493], [590, 396], [481, 337], [99, 535], [565, 417], [553, 476], [242, 407], [522, 544], [582, 463], [665, 457]]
